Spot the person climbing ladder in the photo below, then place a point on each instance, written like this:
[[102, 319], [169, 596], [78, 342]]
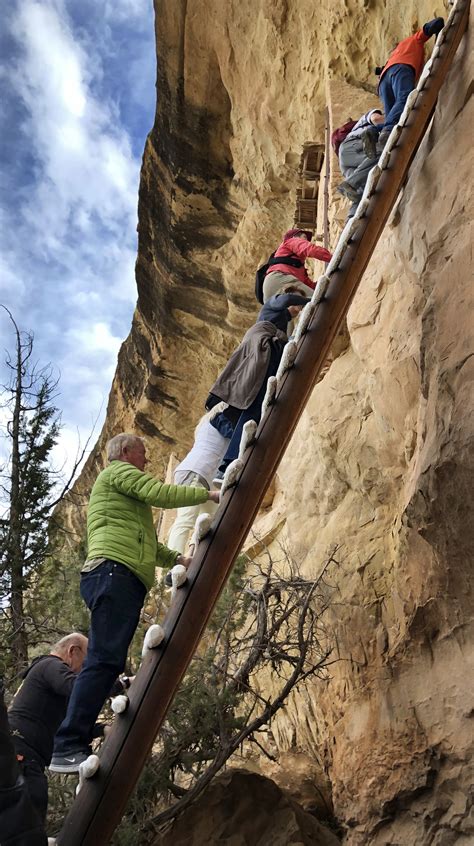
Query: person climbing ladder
[[286, 265], [122, 555], [354, 163], [398, 78], [243, 381], [197, 470]]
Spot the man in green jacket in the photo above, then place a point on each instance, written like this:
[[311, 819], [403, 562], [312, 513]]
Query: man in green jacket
[[122, 555]]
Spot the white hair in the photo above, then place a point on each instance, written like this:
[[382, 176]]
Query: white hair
[[117, 444], [73, 639]]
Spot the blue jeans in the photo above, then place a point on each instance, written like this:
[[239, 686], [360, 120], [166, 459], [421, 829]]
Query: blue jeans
[[396, 84], [115, 598], [253, 412]]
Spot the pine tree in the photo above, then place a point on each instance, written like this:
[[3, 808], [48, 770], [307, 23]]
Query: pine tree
[[30, 489]]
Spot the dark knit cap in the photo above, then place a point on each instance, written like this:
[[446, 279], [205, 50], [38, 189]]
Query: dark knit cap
[[292, 232]]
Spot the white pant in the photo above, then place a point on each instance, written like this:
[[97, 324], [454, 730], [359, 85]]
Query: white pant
[[187, 515]]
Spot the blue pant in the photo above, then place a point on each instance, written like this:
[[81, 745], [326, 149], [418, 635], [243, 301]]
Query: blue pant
[[253, 412], [115, 598], [394, 88]]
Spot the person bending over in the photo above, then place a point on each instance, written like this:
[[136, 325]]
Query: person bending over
[[39, 707]]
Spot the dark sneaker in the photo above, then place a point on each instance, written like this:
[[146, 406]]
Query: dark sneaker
[[369, 143], [168, 581], [218, 479], [68, 763], [348, 191]]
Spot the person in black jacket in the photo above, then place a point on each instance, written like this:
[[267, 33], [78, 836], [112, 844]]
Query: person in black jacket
[[39, 708], [282, 308], [20, 824]]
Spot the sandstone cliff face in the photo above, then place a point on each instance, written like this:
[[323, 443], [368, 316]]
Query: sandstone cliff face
[[241, 808], [390, 434], [381, 461]]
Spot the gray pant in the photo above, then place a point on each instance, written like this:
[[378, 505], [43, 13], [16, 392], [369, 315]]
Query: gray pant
[[355, 167], [275, 281], [354, 164]]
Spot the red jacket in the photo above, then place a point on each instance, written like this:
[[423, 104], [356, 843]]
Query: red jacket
[[302, 249], [410, 51]]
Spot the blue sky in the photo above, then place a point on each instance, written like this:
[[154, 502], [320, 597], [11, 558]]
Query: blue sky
[[77, 80]]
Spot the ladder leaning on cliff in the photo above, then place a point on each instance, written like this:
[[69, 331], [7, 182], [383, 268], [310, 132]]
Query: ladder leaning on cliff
[[100, 804]]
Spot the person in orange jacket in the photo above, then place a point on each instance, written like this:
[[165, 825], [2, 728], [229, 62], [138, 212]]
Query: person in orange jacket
[[398, 78]]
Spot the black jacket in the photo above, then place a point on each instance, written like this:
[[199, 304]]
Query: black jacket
[[20, 824], [276, 309], [40, 706]]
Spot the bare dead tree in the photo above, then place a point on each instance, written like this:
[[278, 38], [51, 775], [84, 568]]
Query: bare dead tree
[[270, 622]]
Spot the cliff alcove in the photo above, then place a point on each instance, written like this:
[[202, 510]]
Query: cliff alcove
[[381, 462]]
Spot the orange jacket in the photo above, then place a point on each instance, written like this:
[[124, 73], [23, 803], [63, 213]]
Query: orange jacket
[[410, 51]]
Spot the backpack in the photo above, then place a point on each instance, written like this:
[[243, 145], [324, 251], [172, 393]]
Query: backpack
[[262, 271], [340, 134]]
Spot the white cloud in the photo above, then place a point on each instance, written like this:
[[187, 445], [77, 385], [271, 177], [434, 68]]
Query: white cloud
[[67, 451], [126, 9], [85, 159], [70, 218], [96, 337]]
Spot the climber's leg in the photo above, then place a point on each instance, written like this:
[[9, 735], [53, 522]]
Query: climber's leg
[[401, 82]]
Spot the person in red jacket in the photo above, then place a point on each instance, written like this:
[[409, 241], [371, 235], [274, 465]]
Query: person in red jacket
[[296, 244], [398, 78]]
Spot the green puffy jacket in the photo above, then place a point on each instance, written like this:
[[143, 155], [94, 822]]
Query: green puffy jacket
[[120, 521]]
